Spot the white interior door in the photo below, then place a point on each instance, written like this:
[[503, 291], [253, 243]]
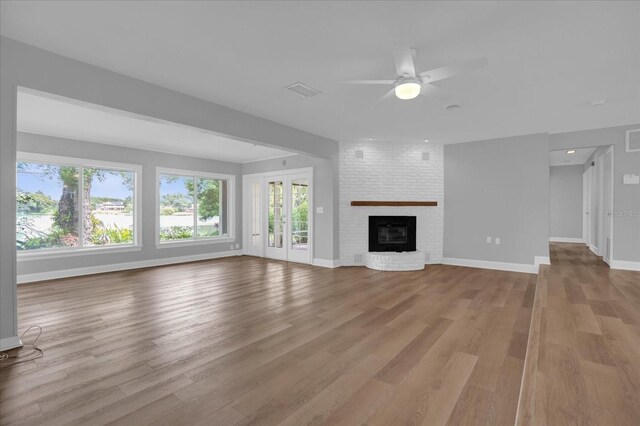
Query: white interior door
[[593, 210], [287, 216], [252, 213], [601, 208], [607, 199], [586, 202]]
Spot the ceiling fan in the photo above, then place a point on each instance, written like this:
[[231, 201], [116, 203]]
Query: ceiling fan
[[409, 83]]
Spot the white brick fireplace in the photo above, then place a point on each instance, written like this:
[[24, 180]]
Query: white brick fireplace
[[390, 171]]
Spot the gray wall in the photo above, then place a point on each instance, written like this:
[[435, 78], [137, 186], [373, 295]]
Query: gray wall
[[325, 233], [626, 198], [497, 188], [149, 160], [565, 201], [23, 65]]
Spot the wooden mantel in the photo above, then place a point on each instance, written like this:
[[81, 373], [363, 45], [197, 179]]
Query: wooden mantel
[[394, 203]]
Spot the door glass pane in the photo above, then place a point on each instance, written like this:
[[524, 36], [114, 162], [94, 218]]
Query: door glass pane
[[276, 214], [300, 214], [176, 207], [47, 209], [107, 217]]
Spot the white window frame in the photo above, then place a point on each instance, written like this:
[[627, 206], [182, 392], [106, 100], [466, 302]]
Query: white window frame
[[29, 157], [231, 196]]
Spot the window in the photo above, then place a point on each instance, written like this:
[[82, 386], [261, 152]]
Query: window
[[193, 206], [68, 204]]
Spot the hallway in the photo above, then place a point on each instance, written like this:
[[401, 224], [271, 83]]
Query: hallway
[[583, 360]]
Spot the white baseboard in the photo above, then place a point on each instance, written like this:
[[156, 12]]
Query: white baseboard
[[487, 264], [99, 269], [566, 240], [10, 343], [541, 260], [326, 263], [626, 265], [593, 248]]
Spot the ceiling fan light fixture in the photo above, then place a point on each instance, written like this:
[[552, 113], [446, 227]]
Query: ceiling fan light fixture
[[407, 88]]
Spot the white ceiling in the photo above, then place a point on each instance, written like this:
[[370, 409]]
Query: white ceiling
[[561, 158], [547, 60], [61, 117]]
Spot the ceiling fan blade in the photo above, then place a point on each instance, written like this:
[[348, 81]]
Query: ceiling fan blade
[[404, 61], [432, 91], [369, 81], [438, 74], [389, 95]]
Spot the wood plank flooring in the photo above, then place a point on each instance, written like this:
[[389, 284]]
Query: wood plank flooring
[[252, 341], [583, 364]]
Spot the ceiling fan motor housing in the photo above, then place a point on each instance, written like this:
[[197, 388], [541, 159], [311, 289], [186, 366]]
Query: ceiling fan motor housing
[[407, 87]]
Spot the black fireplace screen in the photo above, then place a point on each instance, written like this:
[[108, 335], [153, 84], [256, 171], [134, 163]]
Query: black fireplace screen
[[388, 234], [392, 233]]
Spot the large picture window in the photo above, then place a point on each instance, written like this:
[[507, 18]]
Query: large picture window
[[65, 203], [193, 206]]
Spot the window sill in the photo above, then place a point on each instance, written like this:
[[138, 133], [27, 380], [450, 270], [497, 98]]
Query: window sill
[[198, 242], [51, 254]]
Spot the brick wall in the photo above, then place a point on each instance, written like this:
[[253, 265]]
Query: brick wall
[[390, 171]]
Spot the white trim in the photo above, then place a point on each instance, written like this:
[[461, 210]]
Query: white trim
[[610, 207], [99, 269], [10, 343], [566, 240], [627, 145], [487, 264], [194, 242], [626, 265], [326, 263], [27, 255], [541, 260], [593, 248], [231, 197], [22, 156]]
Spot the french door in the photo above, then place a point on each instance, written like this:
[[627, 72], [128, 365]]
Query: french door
[[278, 215]]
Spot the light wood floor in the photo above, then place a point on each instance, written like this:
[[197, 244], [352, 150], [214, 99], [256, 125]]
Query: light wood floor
[[583, 361], [252, 341]]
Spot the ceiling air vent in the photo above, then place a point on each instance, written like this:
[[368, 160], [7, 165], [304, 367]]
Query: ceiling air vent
[[633, 140], [303, 90]]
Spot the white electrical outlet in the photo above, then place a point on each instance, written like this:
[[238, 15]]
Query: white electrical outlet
[[497, 241], [488, 240], [319, 210], [237, 246]]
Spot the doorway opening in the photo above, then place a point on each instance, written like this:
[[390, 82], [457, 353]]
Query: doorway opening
[[582, 197]]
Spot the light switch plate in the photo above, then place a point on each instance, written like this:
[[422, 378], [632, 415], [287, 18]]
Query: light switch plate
[[319, 210], [631, 179]]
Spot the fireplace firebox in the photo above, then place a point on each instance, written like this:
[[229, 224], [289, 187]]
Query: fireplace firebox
[[392, 233]]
